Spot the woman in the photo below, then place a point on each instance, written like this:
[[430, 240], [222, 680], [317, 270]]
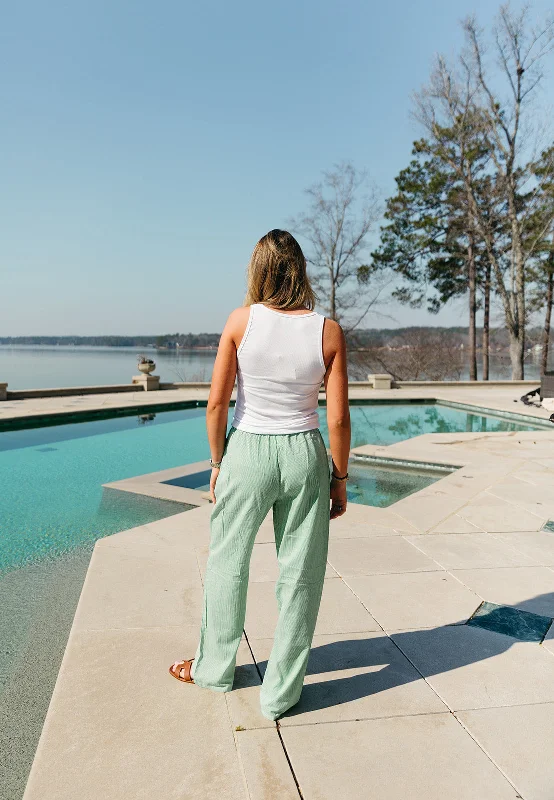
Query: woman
[[280, 350]]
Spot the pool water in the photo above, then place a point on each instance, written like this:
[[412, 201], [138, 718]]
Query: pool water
[[369, 485], [382, 486]]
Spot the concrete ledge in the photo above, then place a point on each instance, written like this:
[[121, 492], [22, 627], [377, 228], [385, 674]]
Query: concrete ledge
[[68, 391], [109, 388], [71, 391], [476, 384], [154, 484]]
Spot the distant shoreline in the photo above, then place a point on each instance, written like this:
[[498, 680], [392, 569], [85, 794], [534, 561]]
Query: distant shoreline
[[197, 348]]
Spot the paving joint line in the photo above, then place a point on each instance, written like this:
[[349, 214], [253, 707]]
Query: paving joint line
[[277, 728], [289, 762], [490, 758], [237, 751]]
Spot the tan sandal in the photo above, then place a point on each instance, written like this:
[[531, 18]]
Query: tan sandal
[[182, 667]]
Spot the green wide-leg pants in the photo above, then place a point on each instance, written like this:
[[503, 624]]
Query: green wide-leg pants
[[289, 473]]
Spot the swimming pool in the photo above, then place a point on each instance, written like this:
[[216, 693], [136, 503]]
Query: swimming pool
[[52, 498], [53, 508]]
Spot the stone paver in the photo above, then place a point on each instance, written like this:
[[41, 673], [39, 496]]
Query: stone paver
[[125, 588], [425, 511], [464, 551], [539, 546], [527, 588], [426, 757], [473, 668], [493, 514], [423, 599], [120, 731], [520, 740], [378, 555]]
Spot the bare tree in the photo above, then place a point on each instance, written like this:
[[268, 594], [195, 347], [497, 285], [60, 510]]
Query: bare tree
[[458, 99], [344, 207], [420, 354]]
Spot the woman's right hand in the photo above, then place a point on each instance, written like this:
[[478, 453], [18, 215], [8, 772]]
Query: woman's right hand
[[338, 498], [213, 480]]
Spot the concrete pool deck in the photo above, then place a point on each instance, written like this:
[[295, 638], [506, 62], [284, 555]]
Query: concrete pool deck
[[402, 698]]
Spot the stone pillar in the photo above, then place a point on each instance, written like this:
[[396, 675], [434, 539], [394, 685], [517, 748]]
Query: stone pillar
[[380, 381], [150, 383], [3, 391]]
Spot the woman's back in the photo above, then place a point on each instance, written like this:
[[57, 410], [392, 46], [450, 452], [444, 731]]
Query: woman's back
[[280, 368]]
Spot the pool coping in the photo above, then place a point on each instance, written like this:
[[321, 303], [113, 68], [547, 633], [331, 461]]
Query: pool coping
[[495, 397], [54, 419], [155, 484]]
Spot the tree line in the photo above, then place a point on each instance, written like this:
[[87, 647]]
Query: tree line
[[184, 340], [473, 211]]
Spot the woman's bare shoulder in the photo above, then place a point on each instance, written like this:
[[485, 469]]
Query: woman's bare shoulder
[[238, 318], [333, 340], [332, 331], [240, 313], [237, 322]]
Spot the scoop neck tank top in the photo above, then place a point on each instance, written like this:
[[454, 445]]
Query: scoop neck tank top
[[280, 368]]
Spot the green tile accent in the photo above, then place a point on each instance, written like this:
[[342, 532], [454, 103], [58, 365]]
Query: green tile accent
[[522, 625], [549, 526]]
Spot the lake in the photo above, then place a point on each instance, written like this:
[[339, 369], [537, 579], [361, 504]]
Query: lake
[[50, 366]]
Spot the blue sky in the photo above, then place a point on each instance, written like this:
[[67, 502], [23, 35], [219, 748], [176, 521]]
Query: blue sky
[[147, 146]]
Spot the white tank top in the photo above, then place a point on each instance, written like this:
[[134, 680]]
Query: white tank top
[[279, 372]]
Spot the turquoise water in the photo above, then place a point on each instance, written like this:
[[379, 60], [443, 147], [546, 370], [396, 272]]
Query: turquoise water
[[369, 485], [382, 486], [52, 497]]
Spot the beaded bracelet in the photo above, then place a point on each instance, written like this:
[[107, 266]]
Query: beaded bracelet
[[215, 464]]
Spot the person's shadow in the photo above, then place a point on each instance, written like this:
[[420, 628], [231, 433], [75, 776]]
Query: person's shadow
[[410, 655]]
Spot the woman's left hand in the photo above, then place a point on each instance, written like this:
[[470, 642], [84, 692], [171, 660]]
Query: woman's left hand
[[213, 480]]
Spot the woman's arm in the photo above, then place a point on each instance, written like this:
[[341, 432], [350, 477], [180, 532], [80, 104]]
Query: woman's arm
[[223, 380], [338, 412]]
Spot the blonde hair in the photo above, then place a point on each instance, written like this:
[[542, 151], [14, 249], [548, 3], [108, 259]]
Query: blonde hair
[[277, 273]]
